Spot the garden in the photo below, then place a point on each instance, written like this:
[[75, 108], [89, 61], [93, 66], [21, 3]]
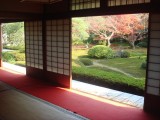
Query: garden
[[109, 51]]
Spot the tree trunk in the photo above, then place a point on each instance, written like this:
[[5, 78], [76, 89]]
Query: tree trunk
[[132, 44], [109, 43], [108, 39]]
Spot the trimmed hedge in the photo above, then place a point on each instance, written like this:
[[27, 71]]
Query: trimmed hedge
[[13, 56], [100, 51], [109, 77], [86, 61], [8, 57]]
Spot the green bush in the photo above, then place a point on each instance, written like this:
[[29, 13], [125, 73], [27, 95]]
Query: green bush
[[8, 57], [124, 54], [109, 77], [142, 44], [20, 63], [19, 56], [100, 51], [13, 56], [144, 64], [86, 61], [22, 50], [14, 47]]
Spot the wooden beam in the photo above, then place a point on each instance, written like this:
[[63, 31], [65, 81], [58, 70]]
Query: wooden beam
[[16, 16]]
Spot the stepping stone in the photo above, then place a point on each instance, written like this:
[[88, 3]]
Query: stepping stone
[[132, 100], [122, 97]]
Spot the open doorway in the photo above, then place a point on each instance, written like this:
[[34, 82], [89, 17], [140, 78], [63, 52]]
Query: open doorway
[[13, 52], [111, 51]]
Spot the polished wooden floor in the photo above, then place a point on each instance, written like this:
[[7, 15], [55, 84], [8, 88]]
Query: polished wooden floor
[[15, 105]]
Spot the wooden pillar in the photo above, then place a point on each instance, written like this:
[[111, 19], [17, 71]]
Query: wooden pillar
[[152, 96], [0, 45]]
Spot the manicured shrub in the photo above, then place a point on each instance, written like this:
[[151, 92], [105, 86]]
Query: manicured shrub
[[19, 56], [100, 51], [124, 54], [20, 63], [142, 44], [86, 61], [13, 56], [22, 50], [8, 57], [144, 64]]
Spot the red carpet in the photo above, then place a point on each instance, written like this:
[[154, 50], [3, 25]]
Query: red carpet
[[86, 105]]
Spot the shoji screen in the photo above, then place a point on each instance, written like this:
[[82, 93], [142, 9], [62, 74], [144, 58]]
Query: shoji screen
[[84, 4], [153, 80], [33, 41], [58, 46], [126, 2]]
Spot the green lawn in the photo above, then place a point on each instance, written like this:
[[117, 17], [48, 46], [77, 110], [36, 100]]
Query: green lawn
[[131, 66], [109, 77]]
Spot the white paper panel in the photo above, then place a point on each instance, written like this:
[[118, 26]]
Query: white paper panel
[[154, 83], [54, 64], [60, 65], [54, 33], [49, 58], [66, 72], [54, 48], [54, 59], [66, 39], [60, 38], [54, 54], [154, 67], [66, 44], [49, 48], [49, 53], [60, 49], [40, 66], [66, 55], [60, 60], [154, 59], [154, 75], [48, 38], [49, 68], [154, 51], [66, 67], [49, 63], [53, 44], [40, 62], [60, 71], [60, 44], [155, 42], [66, 61], [54, 70], [60, 55], [152, 90]]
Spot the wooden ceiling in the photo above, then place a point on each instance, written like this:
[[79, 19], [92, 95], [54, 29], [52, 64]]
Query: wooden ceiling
[[21, 10]]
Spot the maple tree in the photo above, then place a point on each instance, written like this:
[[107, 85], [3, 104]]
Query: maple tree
[[130, 27], [79, 30]]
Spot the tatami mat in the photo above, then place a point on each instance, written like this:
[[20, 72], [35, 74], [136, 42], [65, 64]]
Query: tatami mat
[[15, 105]]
